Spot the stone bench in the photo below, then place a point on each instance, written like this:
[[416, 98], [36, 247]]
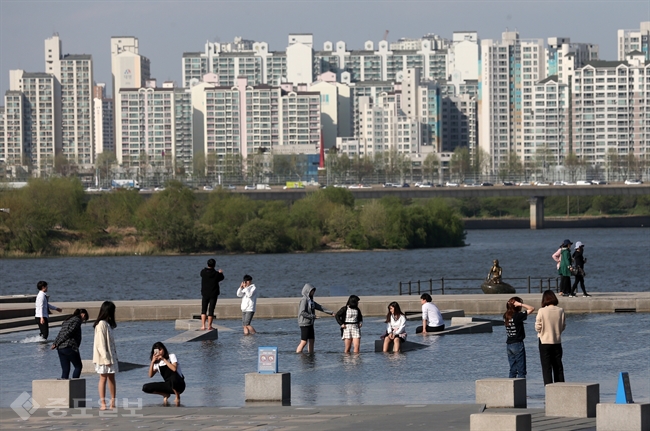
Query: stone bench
[[54, 393], [501, 421], [623, 417], [267, 387], [576, 400], [501, 393], [406, 346]]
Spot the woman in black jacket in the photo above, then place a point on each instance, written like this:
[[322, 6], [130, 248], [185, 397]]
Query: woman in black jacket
[[68, 341], [579, 261]]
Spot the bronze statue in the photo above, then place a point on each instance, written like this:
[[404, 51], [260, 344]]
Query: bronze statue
[[494, 276]]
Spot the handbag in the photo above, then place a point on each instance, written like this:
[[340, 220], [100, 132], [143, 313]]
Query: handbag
[[574, 271]]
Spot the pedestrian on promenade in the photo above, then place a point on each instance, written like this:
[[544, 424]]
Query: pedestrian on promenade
[[68, 341], [431, 318], [170, 370], [579, 264], [210, 291], [351, 320], [43, 308], [395, 328], [564, 268], [549, 325], [248, 294], [307, 316], [514, 318], [104, 353]]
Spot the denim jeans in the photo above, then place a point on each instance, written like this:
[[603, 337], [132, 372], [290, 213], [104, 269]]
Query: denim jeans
[[517, 360], [66, 356]]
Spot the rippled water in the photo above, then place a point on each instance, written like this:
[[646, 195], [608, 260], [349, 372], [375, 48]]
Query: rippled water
[[596, 348], [617, 261]]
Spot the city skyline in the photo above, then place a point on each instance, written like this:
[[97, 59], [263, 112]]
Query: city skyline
[[86, 28]]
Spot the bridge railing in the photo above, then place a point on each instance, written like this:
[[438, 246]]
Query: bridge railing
[[450, 285]]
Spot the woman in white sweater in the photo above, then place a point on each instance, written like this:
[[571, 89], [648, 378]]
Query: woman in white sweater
[[395, 328], [104, 354], [549, 325]]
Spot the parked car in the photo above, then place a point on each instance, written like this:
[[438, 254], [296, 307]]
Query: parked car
[[92, 189], [558, 183], [405, 185], [541, 184], [249, 187], [599, 182], [583, 183], [633, 182], [158, 189], [230, 187], [524, 184], [451, 184], [424, 185], [208, 188], [145, 190], [486, 184], [568, 183], [508, 183], [387, 185]]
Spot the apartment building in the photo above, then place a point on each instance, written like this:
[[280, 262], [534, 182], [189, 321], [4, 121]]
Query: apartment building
[[14, 151], [563, 57], [41, 117], [104, 126], [156, 128], [130, 70], [634, 40], [510, 68], [336, 108], [370, 89], [611, 102], [75, 76], [243, 120]]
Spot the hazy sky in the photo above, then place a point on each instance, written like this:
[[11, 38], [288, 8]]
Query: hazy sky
[[166, 29]]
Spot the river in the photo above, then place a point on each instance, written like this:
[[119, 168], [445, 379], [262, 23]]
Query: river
[[617, 260]]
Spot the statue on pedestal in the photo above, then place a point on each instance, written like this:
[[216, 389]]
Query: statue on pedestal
[[493, 283]]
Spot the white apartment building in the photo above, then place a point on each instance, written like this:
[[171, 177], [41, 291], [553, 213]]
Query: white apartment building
[[370, 89], [335, 107], [510, 68], [244, 119], [104, 125], [75, 76], [156, 128], [563, 57], [408, 44], [41, 117], [301, 64], [611, 102], [13, 151], [634, 40], [130, 70]]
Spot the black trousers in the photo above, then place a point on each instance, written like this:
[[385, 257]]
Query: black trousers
[[418, 330], [43, 327], [551, 357], [565, 284], [579, 279], [166, 387], [68, 355]]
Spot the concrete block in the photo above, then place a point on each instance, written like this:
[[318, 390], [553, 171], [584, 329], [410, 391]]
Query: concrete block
[[65, 394], [195, 324], [89, 367], [576, 400], [488, 421], [501, 393], [466, 328], [195, 335], [406, 346], [623, 417], [267, 387]]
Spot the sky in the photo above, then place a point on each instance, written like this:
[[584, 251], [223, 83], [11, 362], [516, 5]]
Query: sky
[[166, 29]]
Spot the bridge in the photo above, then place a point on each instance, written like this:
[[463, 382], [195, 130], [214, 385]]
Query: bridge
[[535, 194]]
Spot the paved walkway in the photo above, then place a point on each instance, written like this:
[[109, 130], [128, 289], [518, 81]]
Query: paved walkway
[[265, 418]]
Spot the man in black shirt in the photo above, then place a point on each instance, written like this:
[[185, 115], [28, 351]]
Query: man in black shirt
[[209, 292]]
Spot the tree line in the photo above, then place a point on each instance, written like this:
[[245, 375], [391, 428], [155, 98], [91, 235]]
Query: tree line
[[174, 220]]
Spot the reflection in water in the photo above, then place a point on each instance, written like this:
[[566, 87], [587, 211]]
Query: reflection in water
[[308, 362]]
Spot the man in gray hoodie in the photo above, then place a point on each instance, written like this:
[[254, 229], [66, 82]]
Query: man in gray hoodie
[[306, 316]]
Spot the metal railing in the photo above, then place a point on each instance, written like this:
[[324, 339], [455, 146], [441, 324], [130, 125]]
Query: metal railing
[[418, 287]]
